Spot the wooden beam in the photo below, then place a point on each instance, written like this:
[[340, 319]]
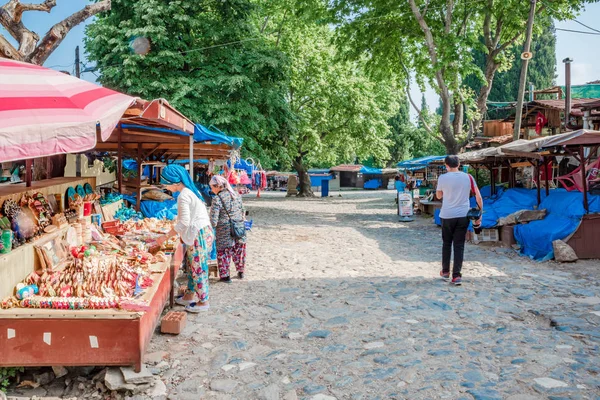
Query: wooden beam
[[138, 193], [120, 161], [521, 164], [28, 172], [524, 154]]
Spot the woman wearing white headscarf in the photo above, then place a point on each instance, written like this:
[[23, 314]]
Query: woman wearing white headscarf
[[227, 207]]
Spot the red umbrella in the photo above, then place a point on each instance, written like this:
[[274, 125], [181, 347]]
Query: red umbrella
[[45, 112]]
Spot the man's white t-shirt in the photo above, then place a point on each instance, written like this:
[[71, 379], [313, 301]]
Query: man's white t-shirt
[[456, 187]]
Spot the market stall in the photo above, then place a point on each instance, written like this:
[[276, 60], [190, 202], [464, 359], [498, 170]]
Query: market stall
[[420, 177], [75, 290]]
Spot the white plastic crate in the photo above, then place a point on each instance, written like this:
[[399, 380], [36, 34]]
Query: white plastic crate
[[487, 235]]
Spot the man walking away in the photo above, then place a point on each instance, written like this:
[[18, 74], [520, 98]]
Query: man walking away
[[455, 188]]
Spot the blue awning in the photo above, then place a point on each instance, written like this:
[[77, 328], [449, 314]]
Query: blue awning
[[187, 161], [203, 134], [418, 163], [371, 171]]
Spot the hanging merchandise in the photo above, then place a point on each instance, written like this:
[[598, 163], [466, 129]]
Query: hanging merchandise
[[244, 179]]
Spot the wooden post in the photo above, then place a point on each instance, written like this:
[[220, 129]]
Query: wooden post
[[48, 167], [537, 180], [545, 161], [120, 161], [140, 170], [493, 173], [584, 179], [510, 177], [28, 172], [192, 157]]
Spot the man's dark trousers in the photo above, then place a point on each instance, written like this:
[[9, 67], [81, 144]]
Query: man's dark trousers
[[454, 233]]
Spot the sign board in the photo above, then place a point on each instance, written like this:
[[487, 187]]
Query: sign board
[[405, 204]]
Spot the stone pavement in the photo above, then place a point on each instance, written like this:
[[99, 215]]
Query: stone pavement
[[341, 301], [514, 330]]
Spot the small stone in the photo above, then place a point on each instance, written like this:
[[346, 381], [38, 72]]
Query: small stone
[[374, 345], [44, 378], [523, 397], [271, 392], [223, 385], [321, 334], [293, 335], [564, 347], [548, 384], [114, 381], [337, 321], [290, 395], [563, 252], [159, 391], [313, 389], [412, 321], [239, 345], [246, 365], [59, 372], [227, 367], [323, 397], [130, 376], [155, 357]]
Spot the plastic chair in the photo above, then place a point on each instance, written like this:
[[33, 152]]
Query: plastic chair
[[572, 180]]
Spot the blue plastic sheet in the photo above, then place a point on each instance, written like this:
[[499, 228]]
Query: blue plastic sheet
[[372, 184], [564, 213], [371, 171], [204, 134], [418, 163]]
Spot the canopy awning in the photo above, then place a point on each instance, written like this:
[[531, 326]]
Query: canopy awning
[[580, 137], [204, 134], [45, 112], [418, 163]]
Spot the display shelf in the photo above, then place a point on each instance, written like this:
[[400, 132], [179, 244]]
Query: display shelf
[[36, 338]]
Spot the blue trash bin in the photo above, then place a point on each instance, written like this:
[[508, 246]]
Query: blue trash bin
[[324, 188]]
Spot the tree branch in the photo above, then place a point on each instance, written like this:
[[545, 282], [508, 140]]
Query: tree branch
[[7, 50], [410, 99], [449, 11], [487, 22], [20, 8], [57, 33]]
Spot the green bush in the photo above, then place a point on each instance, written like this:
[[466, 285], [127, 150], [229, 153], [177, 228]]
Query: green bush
[[7, 375]]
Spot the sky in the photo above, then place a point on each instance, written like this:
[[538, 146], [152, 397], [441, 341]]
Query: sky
[[579, 47]]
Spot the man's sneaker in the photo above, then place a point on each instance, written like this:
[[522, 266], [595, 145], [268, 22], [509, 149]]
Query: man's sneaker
[[457, 281], [445, 275]]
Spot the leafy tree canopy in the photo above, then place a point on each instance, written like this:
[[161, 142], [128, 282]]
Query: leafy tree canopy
[[207, 57]]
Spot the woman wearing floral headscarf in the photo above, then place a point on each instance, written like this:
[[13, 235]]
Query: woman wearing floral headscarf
[[227, 207], [193, 226]]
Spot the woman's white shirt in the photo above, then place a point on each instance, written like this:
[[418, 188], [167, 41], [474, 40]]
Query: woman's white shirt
[[191, 216]]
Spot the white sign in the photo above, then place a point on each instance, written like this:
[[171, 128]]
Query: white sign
[[405, 204]]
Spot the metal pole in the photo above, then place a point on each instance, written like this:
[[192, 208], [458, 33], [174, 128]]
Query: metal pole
[[584, 179], [77, 63], [567, 62], [526, 48]]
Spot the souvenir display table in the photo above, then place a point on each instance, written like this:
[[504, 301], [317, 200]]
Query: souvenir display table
[[77, 291]]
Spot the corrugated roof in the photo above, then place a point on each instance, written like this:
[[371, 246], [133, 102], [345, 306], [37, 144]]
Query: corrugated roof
[[347, 168]]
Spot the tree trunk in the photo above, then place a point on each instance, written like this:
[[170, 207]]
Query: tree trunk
[[490, 71], [303, 177]]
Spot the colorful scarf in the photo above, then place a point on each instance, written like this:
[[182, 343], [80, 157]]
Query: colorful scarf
[[172, 174]]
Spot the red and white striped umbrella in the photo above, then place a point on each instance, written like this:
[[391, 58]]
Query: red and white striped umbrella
[[45, 112]]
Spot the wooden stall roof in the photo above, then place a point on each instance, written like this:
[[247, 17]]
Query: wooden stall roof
[[157, 113], [581, 137]]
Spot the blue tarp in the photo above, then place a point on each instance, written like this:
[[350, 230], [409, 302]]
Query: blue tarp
[[204, 134], [186, 161], [418, 163], [564, 213], [371, 171], [504, 203], [372, 184]]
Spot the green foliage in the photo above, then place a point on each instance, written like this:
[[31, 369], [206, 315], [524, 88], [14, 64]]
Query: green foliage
[[240, 87], [340, 112], [410, 141], [434, 39], [7, 375], [541, 71]]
